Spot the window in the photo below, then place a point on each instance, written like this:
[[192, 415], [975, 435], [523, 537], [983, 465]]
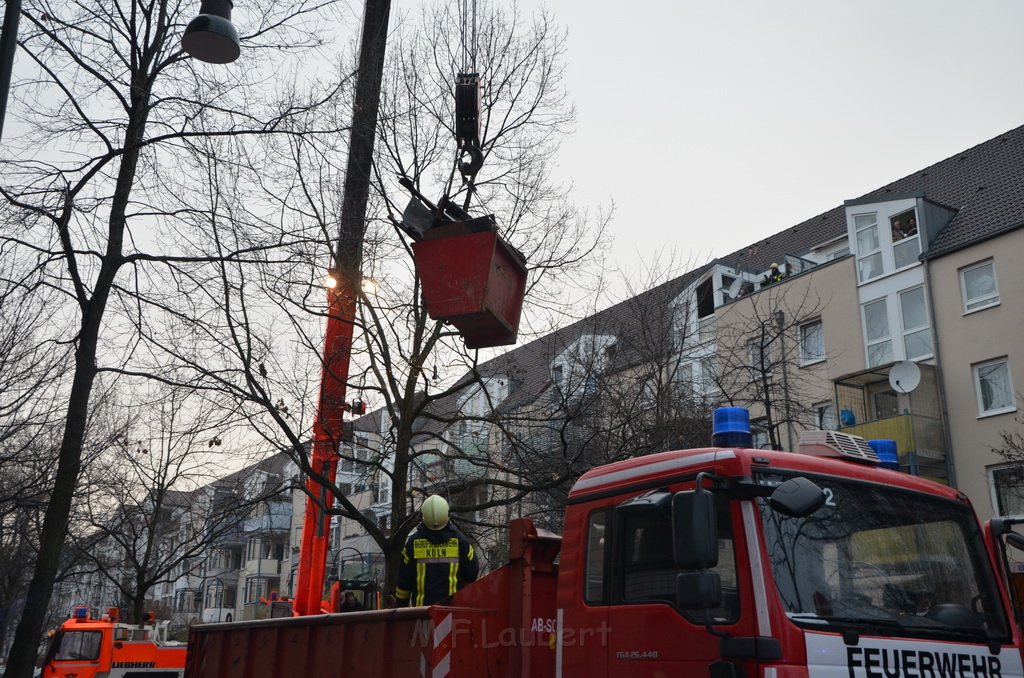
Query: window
[[839, 254], [869, 250], [812, 342], [346, 465], [760, 352], [978, 285], [876, 333], [255, 588], [556, 375], [886, 404], [993, 387], [78, 645], [683, 382], [254, 548], [381, 491], [906, 244], [708, 378], [648, 392], [647, 571], [898, 554], [706, 298], [1008, 483], [595, 591], [759, 435], [825, 416], [917, 335]]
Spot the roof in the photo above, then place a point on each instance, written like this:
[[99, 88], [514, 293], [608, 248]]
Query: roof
[[982, 184]]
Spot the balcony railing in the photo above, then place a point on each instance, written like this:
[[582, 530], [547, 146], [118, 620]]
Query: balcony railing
[[919, 442], [267, 523]]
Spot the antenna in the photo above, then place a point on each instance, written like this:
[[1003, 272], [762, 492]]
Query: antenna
[[904, 376]]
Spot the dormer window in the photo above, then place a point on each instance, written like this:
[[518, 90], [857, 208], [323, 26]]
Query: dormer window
[[706, 298], [556, 375], [906, 243], [869, 249]]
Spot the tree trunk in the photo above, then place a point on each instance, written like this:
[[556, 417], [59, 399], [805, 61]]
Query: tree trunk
[[138, 606], [21, 659]]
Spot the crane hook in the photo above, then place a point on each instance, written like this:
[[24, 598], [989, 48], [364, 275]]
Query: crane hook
[[476, 160]]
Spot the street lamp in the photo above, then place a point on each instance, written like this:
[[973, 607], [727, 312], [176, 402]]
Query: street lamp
[[211, 37]]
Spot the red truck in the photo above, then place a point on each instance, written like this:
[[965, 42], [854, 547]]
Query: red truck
[[88, 647], [720, 562]]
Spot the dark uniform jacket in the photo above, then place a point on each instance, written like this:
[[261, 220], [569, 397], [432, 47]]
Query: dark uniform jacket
[[435, 564]]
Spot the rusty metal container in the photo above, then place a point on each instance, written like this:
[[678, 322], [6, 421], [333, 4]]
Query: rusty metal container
[[473, 280]]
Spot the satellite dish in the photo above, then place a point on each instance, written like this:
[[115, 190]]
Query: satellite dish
[[904, 376], [735, 287]]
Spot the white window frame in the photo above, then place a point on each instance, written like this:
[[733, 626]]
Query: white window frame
[[861, 256], [759, 436], [810, 323], [818, 408], [758, 353], [648, 392], [985, 302], [916, 236], [976, 377], [916, 328], [683, 381], [998, 502], [868, 343], [708, 380]]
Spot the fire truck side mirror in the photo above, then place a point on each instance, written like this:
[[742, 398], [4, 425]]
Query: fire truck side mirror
[[694, 530], [1016, 540], [797, 498]]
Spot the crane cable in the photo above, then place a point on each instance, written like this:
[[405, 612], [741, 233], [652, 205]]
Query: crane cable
[[467, 14], [467, 98]]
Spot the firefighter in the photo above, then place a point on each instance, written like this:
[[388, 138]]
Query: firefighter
[[437, 559], [773, 275]]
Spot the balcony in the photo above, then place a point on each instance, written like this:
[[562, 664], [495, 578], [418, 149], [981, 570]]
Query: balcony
[[869, 407], [918, 439], [276, 522]]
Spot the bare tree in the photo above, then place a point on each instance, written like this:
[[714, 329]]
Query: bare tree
[[398, 347], [32, 370], [154, 509], [758, 352], [409, 363], [107, 104], [1011, 441]]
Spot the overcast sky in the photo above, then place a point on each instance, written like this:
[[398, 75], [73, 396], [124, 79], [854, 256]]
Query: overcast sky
[[713, 124]]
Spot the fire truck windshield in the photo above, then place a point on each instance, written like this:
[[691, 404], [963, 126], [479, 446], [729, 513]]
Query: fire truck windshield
[[77, 645], [884, 561]]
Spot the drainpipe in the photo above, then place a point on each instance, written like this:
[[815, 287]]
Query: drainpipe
[[939, 380], [780, 322]]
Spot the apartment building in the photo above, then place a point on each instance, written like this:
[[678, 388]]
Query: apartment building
[[805, 327]]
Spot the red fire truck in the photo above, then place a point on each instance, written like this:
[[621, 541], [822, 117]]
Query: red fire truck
[[720, 562], [85, 647]]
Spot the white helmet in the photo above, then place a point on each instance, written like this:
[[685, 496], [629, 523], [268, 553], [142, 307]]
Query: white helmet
[[435, 512]]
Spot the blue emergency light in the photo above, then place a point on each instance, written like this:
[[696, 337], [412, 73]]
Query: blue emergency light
[[888, 456], [731, 428], [81, 612]]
